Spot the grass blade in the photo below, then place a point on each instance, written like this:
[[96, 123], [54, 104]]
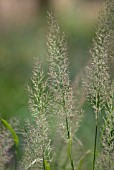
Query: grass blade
[[8, 126]]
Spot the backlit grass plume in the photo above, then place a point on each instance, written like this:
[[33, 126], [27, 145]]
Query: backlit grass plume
[[97, 82], [51, 100], [37, 143], [59, 84]]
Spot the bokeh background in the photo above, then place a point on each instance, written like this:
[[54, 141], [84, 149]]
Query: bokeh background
[[23, 29]]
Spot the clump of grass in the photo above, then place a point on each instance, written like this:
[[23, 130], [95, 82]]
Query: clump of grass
[[53, 95]]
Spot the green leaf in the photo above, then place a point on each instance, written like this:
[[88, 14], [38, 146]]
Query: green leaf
[[8, 126]]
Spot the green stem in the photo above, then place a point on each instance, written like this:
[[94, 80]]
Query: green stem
[[71, 159], [44, 163], [15, 157], [95, 141], [70, 140], [67, 125]]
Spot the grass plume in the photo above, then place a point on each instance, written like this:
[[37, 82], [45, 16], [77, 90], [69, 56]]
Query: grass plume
[[97, 82], [37, 143], [60, 86]]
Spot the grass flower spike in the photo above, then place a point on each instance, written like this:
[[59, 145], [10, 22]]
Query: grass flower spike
[[97, 83], [37, 143], [59, 84]]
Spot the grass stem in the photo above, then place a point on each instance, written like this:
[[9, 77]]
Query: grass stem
[[95, 141], [70, 145], [15, 157]]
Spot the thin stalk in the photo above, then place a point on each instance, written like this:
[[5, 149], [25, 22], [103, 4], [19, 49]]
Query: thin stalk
[[67, 125], [95, 141], [71, 159], [69, 136], [70, 140], [44, 163], [15, 157]]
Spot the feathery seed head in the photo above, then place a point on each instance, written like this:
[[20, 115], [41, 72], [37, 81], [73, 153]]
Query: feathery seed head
[[37, 143], [97, 81], [59, 83]]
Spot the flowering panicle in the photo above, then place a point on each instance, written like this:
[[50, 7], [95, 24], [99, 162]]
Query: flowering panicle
[[97, 82], [37, 143], [59, 83]]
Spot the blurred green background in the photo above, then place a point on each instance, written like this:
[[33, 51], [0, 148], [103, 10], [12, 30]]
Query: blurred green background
[[23, 29]]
